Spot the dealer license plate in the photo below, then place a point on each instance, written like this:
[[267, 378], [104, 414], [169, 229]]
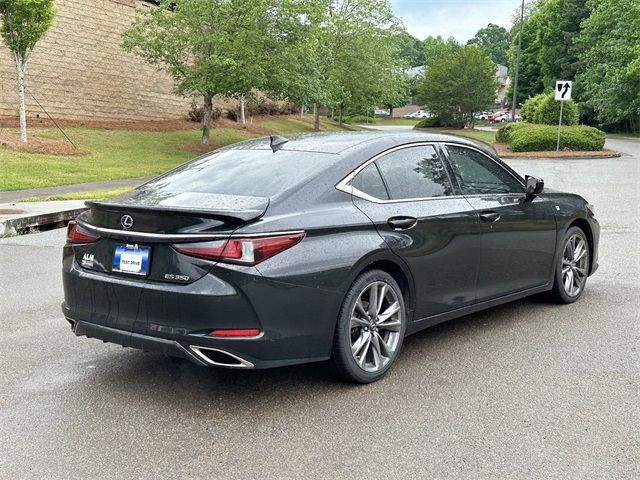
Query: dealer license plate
[[131, 259]]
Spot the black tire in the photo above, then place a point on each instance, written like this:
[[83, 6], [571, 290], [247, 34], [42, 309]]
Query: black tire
[[343, 361], [559, 293]]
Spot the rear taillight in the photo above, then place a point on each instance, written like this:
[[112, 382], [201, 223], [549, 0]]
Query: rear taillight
[[76, 234], [241, 251]]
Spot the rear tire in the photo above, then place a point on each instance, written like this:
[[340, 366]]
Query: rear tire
[[572, 267], [370, 328]]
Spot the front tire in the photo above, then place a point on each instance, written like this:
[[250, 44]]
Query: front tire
[[370, 329], [572, 267]]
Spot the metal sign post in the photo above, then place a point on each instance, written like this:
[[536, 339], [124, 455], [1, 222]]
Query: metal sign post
[[563, 93]]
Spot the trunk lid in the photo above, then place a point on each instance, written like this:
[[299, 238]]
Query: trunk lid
[[146, 223]]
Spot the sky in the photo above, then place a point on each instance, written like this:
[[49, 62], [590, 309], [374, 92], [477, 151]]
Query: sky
[[458, 18]]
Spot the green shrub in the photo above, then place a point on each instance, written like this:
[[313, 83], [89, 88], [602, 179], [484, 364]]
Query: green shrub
[[535, 138], [503, 134], [430, 122], [549, 111], [530, 108]]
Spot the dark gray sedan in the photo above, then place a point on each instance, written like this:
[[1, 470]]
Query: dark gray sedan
[[281, 251]]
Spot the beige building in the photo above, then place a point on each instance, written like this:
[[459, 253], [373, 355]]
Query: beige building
[[78, 70]]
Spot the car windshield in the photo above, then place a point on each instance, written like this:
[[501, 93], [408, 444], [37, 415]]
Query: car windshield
[[258, 173]]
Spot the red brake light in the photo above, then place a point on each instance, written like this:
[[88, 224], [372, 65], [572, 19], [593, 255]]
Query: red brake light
[[235, 332], [75, 234], [241, 251]]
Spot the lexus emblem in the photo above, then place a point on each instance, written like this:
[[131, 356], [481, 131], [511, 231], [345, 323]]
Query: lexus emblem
[[126, 221]]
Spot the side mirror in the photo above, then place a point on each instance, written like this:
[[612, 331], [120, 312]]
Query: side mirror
[[534, 186]]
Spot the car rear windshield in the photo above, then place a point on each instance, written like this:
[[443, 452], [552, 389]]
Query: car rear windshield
[[258, 173]]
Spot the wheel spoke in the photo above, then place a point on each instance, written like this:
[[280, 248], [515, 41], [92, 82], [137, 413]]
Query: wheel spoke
[[358, 345], [389, 312], [391, 325], [365, 350], [360, 307], [373, 299], [568, 281], [382, 346], [375, 350], [581, 255], [359, 322], [381, 295], [582, 272]]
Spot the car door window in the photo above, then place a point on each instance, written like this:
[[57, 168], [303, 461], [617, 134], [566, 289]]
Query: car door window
[[414, 172], [370, 182], [478, 174]]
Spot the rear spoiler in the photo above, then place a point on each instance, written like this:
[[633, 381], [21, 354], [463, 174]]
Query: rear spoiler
[[233, 208]]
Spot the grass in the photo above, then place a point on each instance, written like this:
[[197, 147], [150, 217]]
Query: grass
[[90, 194], [118, 154]]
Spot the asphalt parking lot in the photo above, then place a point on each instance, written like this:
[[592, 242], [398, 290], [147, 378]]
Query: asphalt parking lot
[[525, 390]]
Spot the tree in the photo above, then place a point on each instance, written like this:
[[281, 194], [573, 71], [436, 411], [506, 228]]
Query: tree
[[435, 48], [209, 47], [530, 81], [24, 23], [609, 77], [411, 50], [559, 26], [495, 40], [349, 57], [457, 85]]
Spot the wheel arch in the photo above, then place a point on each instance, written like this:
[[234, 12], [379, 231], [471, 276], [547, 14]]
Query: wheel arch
[[583, 225], [391, 264]]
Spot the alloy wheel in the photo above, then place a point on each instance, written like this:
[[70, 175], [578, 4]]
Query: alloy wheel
[[575, 266], [375, 326]]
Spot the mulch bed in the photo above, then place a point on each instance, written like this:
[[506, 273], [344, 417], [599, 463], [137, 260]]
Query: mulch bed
[[40, 145], [504, 151]]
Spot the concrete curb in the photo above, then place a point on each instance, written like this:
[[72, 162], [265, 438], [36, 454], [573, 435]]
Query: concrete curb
[[21, 218]]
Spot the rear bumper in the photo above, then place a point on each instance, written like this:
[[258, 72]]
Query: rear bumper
[[146, 343], [174, 320], [195, 352]]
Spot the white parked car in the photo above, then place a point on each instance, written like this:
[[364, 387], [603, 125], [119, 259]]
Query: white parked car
[[419, 114], [507, 118], [481, 115]]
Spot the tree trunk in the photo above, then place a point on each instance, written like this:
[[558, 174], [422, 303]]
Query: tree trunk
[[20, 66], [206, 120], [243, 119], [340, 120], [316, 117], [390, 112], [302, 111]]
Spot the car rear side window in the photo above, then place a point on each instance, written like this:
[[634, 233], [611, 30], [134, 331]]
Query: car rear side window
[[370, 182], [258, 173], [414, 172], [477, 174]]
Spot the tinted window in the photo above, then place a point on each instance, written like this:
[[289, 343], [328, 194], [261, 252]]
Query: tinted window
[[370, 182], [414, 172], [259, 173], [478, 174]]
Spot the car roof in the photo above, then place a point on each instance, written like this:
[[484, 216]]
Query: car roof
[[338, 143]]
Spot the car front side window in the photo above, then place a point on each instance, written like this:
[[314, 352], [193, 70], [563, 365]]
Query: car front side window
[[479, 175]]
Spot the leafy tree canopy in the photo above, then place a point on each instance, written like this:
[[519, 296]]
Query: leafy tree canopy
[[459, 84], [495, 40]]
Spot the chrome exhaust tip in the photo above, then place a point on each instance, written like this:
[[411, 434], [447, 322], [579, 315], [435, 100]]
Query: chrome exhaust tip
[[220, 358]]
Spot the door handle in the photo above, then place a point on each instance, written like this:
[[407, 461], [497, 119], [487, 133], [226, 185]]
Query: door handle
[[490, 216], [402, 223]]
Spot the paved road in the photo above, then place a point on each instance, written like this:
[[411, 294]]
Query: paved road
[[526, 390]]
